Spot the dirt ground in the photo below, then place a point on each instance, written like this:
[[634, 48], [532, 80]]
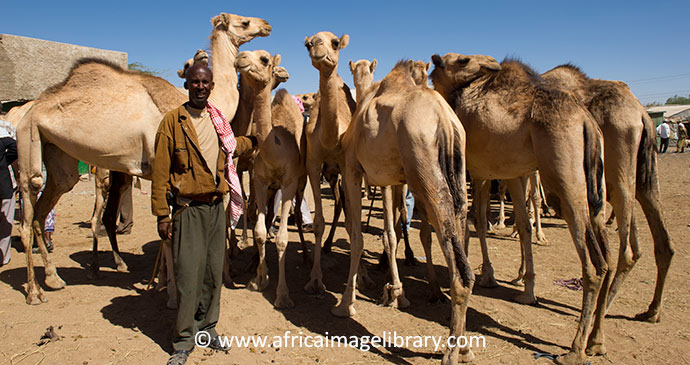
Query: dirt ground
[[112, 320]]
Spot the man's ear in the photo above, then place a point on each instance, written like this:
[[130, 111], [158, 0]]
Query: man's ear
[[212, 85], [185, 86]]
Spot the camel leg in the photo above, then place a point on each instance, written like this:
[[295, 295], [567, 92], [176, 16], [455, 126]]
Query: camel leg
[[299, 195], [282, 292], [393, 293], [62, 174], [480, 201], [352, 180], [663, 248], [315, 284], [502, 205], [119, 182], [102, 184], [337, 189], [517, 192], [260, 282], [435, 293], [535, 198]]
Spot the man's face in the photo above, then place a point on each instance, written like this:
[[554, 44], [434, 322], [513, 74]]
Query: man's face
[[199, 83]]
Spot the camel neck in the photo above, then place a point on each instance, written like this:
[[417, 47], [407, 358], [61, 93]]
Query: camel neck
[[243, 118], [330, 86], [225, 94], [262, 114]]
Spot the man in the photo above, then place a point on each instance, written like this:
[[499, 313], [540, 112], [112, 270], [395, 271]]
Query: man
[[8, 154], [193, 163], [664, 132], [682, 135]]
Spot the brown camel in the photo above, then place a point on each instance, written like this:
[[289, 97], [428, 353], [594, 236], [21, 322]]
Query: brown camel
[[124, 109], [408, 133], [504, 108], [279, 162], [630, 160], [324, 140]]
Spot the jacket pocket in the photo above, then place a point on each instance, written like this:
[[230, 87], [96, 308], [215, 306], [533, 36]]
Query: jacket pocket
[[181, 159]]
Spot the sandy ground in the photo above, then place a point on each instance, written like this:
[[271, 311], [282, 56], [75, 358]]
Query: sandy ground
[[112, 320]]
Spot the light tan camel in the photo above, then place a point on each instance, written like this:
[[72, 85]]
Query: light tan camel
[[505, 110], [124, 108], [630, 170], [362, 76], [407, 133], [279, 163], [324, 140]]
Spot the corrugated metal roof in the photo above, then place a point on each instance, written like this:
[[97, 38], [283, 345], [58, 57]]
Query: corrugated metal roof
[[670, 110]]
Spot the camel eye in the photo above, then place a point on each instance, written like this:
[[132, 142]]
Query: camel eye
[[336, 43], [463, 61], [308, 45], [264, 60], [245, 23]]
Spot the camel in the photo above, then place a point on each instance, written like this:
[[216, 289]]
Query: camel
[[630, 160], [324, 138], [362, 76], [403, 132], [124, 108], [504, 108], [279, 162]]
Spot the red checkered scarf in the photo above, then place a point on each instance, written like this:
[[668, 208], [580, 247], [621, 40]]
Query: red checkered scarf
[[227, 139]]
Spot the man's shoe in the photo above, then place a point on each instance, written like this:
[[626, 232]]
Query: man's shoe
[[215, 344], [179, 357]]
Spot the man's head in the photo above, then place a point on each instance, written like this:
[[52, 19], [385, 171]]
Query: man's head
[[199, 83]]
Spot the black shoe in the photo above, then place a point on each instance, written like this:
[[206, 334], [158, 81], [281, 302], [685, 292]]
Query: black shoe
[[215, 344], [179, 357]]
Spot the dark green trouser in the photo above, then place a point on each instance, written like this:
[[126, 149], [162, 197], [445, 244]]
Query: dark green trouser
[[198, 240]]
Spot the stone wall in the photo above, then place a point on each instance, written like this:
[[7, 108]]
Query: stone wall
[[28, 65]]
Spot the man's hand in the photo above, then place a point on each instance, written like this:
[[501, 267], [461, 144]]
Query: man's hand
[[164, 231]]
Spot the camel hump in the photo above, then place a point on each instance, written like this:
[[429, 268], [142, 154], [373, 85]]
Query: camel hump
[[164, 94]]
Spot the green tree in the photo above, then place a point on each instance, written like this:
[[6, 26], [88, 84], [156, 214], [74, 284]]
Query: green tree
[[137, 66], [678, 100]]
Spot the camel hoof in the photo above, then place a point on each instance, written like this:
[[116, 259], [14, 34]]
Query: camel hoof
[[259, 283], [519, 281], [488, 281], [36, 298], [466, 357], [241, 245], [55, 282], [344, 310], [454, 356], [283, 301], [500, 226], [649, 316], [526, 298], [315, 286], [542, 241], [122, 268], [571, 358], [596, 350]]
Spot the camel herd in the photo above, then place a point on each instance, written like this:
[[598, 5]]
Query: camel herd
[[590, 140]]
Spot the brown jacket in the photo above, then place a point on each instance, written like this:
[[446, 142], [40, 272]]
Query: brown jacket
[[178, 166]]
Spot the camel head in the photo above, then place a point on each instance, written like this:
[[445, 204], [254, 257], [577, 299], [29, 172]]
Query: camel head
[[280, 75], [257, 67], [308, 100], [455, 70], [324, 48], [199, 57], [419, 72], [240, 29], [363, 72]]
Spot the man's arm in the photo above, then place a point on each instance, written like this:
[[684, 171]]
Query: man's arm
[[161, 170]]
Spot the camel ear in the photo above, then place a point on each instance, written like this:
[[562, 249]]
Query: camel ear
[[490, 63], [438, 61], [428, 66], [410, 65], [276, 60], [352, 67], [221, 19], [372, 67], [180, 74], [344, 41]]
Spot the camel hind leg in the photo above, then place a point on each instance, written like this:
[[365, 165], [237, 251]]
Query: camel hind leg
[[393, 293], [62, 175], [118, 185], [480, 203], [101, 186]]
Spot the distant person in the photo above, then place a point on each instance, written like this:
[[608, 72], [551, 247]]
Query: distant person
[[664, 132], [682, 136], [307, 222], [8, 154]]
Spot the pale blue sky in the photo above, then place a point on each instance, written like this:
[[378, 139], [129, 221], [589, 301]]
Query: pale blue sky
[[644, 44]]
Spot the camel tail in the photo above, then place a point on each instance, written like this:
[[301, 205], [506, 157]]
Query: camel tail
[[450, 159], [646, 155], [594, 168]]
